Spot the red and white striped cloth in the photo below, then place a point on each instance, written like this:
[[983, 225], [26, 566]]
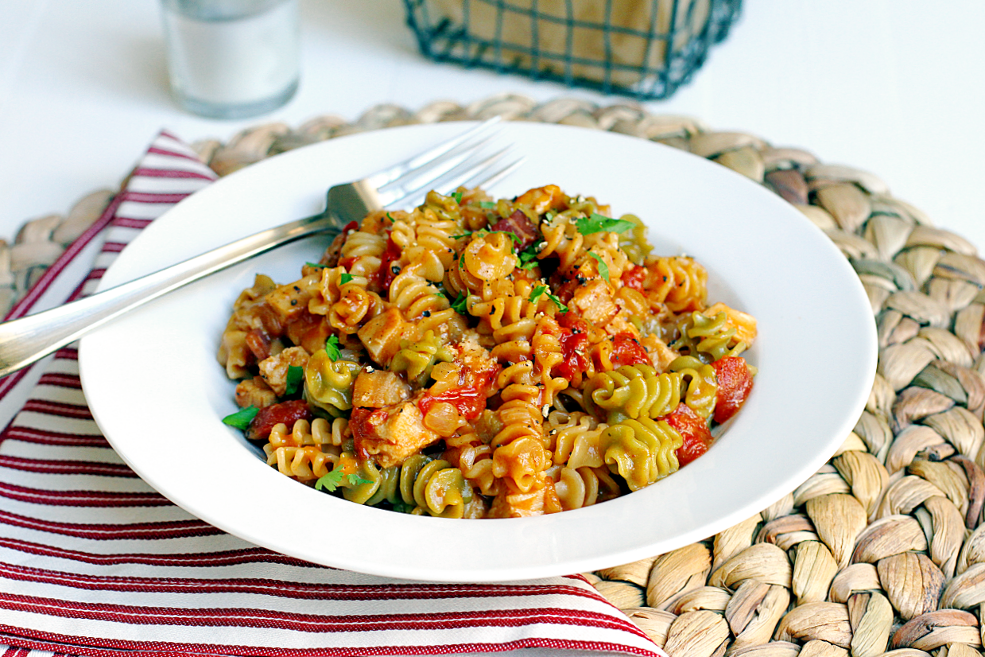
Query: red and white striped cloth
[[93, 561]]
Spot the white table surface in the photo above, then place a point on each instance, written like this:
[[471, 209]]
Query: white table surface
[[890, 86]]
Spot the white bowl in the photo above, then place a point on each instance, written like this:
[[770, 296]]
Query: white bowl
[[158, 393]]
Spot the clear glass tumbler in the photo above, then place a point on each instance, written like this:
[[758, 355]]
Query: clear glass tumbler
[[231, 59]]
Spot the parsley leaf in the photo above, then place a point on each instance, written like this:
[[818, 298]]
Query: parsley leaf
[[527, 259], [330, 481], [332, 347], [295, 374], [487, 205], [603, 268], [512, 236], [557, 302], [315, 264], [457, 196], [465, 234], [540, 290], [356, 480], [337, 477], [390, 217], [460, 304], [345, 278], [241, 419], [598, 223]]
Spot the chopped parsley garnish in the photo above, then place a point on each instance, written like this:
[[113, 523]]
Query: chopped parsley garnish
[[557, 302], [315, 264], [512, 236], [345, 278], [598, 223], [540, 290], [460, 304], [332, 347], [527, 259], [337, 478], [603, 268], [390, 217], [487, 205], [457, 196], [241, 419], [295, 374]]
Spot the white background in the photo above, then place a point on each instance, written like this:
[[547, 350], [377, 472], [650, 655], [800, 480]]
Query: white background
[[895, 87]]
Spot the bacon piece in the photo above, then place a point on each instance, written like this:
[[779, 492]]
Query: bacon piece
[[286, 413], [520, 225]]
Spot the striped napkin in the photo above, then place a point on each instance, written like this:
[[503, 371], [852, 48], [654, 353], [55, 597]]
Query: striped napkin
[[93, 561]]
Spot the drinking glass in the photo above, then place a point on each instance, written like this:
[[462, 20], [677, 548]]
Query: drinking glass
[[232, 59]]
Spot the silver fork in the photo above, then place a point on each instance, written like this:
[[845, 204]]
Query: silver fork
[[446, 166]]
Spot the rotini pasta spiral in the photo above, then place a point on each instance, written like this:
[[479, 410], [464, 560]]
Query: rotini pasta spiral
[[363, 252], [474, 459], [634, 243], [679, 282], [308, 451], [562, 239], [434, 487], [642, 451], [328, 383], [633, 391], [476, 357], [699, 382], [416, 359], [584, 486], [575, 439], [708, 338]]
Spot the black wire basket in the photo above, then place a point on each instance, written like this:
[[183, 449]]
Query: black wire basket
[[645, 49]]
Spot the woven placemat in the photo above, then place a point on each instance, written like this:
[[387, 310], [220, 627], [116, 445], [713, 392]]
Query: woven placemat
[[883, 549]]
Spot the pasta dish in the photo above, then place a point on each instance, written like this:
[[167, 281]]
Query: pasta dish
[[476, 357]]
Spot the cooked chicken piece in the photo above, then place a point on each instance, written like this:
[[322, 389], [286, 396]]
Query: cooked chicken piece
[[254, 392], [389, 435], [382, 335], [292, 299], [593, 301], [274, 369], [661, 356], [379, 388], [475, 360]]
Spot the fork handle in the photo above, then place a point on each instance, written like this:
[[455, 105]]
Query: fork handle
[[26, 340]]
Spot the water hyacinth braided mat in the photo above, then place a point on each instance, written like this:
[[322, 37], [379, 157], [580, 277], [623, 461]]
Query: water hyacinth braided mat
[[882, 551]]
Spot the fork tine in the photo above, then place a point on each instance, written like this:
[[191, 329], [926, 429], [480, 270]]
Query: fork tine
[[391, 174], [418, 178], [493, 178], [450, 180]]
